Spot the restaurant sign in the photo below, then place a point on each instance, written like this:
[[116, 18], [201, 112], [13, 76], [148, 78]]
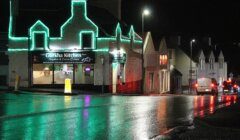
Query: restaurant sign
[[63, 57]]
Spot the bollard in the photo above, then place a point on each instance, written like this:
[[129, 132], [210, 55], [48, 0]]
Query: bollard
[[68, 86], [17, 82]]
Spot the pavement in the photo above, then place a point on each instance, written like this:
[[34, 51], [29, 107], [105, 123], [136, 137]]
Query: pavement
[[222, 124]]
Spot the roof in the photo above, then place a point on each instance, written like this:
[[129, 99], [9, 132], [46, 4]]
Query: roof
[[202, 45], [54, 16]]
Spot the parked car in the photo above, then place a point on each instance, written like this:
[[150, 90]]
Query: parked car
[[206, 85], [230, 86]]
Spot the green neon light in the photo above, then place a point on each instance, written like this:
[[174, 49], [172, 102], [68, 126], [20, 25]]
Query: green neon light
[[25, 50], [106, 39], [33, 37], [17, 50], [41, 24], [72, 14], [93, 46], [10, 30], [118, 31], [33, 33], [132, 34], [101, 50]]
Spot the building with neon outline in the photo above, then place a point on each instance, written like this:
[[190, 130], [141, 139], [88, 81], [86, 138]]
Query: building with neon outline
[[46, 60]]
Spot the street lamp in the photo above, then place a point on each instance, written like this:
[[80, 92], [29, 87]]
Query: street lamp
[[190, 69], [145, 12], [102, 62]]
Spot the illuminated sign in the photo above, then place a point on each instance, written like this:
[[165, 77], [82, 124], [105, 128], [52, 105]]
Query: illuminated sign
[[87, 69], [63, 57], [118, 56]]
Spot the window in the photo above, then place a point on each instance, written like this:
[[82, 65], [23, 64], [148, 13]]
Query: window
[[151, 78], [220, 64], [87, 40], [201, 64], [39, 40], [84, 73], [42, 73], [163, 59], [211, 64], [62, 72]]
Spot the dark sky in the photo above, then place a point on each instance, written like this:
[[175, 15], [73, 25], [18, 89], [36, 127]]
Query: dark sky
[[217, 18]]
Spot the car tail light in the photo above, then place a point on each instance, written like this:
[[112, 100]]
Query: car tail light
[[212, 85], [235, 86], [196, 85]]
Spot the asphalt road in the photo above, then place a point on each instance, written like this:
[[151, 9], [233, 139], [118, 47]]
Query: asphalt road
[[39, 116]]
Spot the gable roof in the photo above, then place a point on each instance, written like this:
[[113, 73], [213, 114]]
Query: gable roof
[[148, 44], [55, 16]]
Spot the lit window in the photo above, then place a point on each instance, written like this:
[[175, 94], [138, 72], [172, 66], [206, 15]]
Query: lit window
[[163, 59]]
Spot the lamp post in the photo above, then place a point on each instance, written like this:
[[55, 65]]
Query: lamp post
[[102, 62], [145, 12], [190, 69]]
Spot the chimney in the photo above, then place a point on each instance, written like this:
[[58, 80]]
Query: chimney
[[179, 40], [209, 41], [78, 8]]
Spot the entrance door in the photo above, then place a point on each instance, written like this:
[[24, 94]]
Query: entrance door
[[151, 84], [62, 72]]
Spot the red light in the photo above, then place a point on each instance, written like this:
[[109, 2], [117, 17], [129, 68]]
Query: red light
[[235, 86], [212, 85], [196, 85]]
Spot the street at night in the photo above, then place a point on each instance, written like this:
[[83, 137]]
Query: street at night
[[119, 70], [28, 115]]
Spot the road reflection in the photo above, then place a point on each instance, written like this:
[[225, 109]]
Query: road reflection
[[96, 117], [204, 105]]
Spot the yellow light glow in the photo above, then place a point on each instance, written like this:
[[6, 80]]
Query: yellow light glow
[[68, 86]]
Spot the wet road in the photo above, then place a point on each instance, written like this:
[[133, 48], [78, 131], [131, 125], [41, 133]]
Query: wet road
[[37, 116]]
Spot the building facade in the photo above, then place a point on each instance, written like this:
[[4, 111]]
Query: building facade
[[212, 68], [80, 53], [156, 64]]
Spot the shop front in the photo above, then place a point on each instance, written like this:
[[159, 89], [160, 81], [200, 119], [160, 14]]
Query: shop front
[[52, 68]]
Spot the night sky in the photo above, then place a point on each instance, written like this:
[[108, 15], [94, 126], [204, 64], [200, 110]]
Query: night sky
[[192, 19], [189, 18]]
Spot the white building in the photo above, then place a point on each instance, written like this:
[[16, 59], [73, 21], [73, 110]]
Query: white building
[[157, 73], [212, 68]]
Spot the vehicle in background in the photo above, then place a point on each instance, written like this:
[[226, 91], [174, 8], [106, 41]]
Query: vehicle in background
[[230, 86], [206, 85]]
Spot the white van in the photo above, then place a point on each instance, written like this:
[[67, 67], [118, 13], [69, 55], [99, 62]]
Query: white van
[[206, 85]]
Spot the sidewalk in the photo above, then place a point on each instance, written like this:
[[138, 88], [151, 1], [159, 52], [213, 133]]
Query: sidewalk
[[53, 91], [223, 124]]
